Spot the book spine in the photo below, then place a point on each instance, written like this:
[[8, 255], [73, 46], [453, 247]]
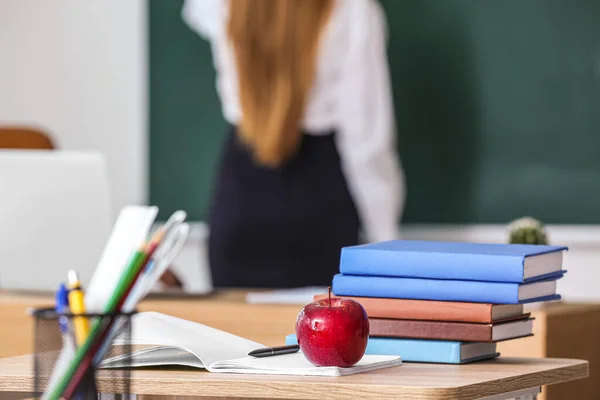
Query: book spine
[[423, 309], [410, 350], [430, 330], [416, 350], [432, 265], [426, 289]]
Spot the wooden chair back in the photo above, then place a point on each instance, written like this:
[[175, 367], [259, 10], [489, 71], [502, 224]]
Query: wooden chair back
[[24, 138]]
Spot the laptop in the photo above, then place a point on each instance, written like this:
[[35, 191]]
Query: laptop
[[54, 216]]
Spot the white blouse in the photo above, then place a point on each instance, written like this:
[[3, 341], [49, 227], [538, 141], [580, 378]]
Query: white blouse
[[351, 95]]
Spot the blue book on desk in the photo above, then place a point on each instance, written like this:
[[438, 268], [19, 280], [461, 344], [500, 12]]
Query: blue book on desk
[[429, 351], [453, 260], [446, 290]]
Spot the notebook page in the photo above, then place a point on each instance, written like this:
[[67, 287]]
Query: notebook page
[[297, 364], [154, 356], [208, 344]]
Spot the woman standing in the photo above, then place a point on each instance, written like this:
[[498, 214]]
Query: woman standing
[[310, 156]]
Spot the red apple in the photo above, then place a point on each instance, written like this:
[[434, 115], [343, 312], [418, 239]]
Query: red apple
[[333, 332]]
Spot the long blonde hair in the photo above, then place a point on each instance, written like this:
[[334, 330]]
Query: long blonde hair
[[275, 44]]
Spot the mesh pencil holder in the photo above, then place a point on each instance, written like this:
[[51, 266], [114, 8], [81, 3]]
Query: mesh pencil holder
[[53, 345]]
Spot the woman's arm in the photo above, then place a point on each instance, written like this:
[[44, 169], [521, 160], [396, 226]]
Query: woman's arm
[[367, 134]]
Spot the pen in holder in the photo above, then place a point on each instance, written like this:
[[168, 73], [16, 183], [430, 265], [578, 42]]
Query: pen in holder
[[55, 346]]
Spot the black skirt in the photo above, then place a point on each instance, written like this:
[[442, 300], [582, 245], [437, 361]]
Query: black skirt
[[283, 227]]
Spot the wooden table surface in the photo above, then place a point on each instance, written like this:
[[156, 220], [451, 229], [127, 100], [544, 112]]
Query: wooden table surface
[[411, 380], [268, 324]]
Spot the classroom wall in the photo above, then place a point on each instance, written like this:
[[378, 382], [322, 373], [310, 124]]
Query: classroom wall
[[496, 105], [78, 69]]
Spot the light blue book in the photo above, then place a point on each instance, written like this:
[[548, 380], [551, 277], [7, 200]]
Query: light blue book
[[427, 351], [445, 290], [495, 262]]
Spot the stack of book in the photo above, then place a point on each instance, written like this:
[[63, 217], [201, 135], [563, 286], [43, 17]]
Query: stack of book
[[446, 302]]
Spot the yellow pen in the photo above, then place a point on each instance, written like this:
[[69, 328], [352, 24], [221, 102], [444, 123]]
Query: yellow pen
[[76, 304]]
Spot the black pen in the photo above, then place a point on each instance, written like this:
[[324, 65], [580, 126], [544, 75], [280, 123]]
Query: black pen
[[274, 351]]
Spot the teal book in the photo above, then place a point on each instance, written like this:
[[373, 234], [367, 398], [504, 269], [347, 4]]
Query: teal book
[[426, 351]]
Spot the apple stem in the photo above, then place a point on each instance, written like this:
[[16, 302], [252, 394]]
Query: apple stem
[[329, 290]]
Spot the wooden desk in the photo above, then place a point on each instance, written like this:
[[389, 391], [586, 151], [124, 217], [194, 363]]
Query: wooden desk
[[268, 324], [409, 381]]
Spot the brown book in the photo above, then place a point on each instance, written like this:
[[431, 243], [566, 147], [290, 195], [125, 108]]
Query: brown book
[[437, 310], [458, 331]]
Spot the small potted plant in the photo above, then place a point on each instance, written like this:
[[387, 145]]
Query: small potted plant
[[527, 230]]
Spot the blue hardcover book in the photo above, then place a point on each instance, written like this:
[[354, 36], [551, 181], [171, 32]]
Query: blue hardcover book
[[446, 290], [451, 260], [429, 351]]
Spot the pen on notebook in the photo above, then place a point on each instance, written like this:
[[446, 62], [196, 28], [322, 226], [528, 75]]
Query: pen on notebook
[[274, 351], [81, 325]]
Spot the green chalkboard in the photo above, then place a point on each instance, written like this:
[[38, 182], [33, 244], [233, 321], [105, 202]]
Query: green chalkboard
[[497, 102]]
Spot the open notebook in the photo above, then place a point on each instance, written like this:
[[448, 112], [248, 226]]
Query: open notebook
[[174, 341]]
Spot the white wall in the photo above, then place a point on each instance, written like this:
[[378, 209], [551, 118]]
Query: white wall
[[78, 69]]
